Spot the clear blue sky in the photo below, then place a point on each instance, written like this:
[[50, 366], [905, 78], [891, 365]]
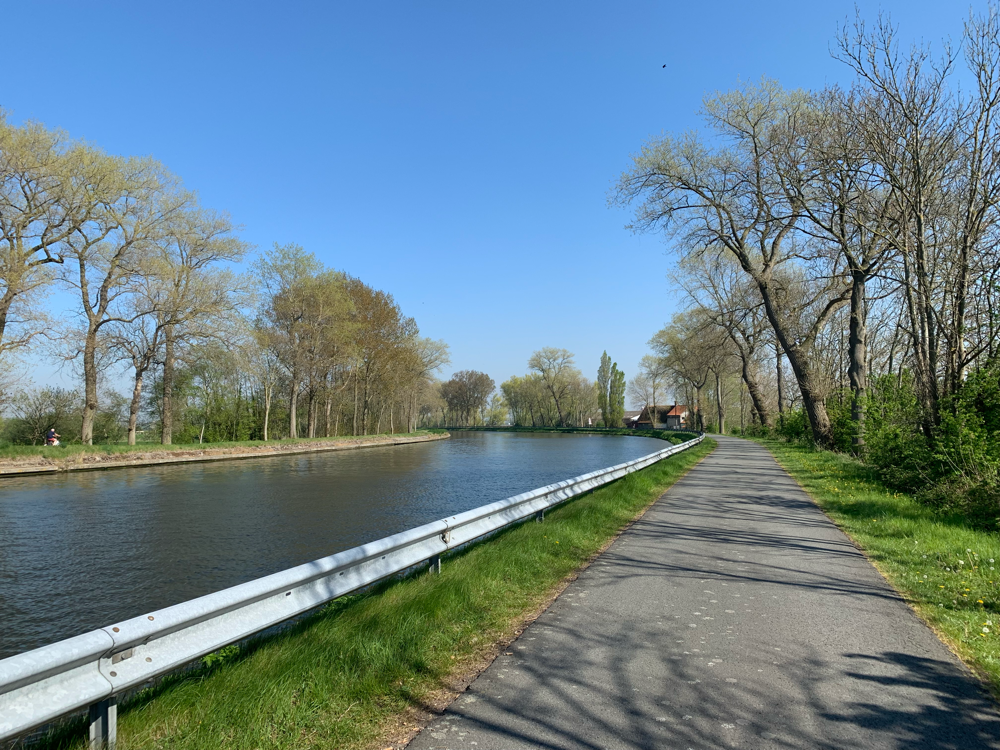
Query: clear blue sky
[[457, 155]]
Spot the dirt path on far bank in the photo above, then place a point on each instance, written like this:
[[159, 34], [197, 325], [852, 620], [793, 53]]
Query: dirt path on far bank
[[42, 464]]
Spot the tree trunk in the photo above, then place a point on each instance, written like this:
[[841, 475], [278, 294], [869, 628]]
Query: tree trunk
[[5, 302], [562, 422], [89, 387], [267, 410], [781, 384], [311, 414], [812, 400], [753, 388], [719, 406], [167, 413], [293, 405], [743, 411], [699, 422], [857, 350], [133, 409], [354, 428], [812, 397]]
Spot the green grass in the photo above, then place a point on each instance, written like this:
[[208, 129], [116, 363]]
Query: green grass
[[345, 677], [67, 450], [947, 571]]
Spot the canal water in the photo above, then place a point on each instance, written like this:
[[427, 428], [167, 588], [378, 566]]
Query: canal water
[[80, 551]]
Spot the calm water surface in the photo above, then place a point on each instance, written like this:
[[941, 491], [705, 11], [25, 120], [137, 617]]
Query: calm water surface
[[80, 551]]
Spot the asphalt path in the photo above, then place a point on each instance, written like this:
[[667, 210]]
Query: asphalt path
[[734, 614]]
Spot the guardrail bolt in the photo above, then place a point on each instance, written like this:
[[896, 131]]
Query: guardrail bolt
[[540, 516], [435, 564], [104, 724]]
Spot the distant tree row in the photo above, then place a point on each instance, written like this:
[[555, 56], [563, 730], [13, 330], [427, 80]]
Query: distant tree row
[[553, 393]]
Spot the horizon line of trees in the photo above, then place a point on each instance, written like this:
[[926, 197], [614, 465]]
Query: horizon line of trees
[[554, 393]]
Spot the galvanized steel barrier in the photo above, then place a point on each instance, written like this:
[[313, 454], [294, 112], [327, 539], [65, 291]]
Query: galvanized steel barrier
[[90, 670]]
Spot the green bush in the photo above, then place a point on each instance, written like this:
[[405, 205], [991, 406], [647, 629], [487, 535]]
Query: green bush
[[839, 406], [37, 411], [957, 469], [794, 426], [895, 444]]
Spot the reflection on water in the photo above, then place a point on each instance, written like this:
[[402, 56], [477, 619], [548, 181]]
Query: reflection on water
[[79, 551]]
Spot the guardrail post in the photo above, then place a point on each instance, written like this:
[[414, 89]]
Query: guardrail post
[[435, 562], [104, 724], [540, 516]]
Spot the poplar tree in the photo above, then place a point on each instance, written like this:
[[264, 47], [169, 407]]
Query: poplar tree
[[616, 397], [604, 388]]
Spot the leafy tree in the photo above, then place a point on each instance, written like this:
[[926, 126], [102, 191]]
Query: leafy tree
[[558, 374], [136, 199], [467, 395], [43, 201]]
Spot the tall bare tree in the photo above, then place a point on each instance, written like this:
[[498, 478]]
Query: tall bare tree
[[733, 197]]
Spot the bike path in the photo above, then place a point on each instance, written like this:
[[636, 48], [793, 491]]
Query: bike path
[[734, 614]]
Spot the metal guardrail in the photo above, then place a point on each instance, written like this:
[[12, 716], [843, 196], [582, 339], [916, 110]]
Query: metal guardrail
[[41, 685]]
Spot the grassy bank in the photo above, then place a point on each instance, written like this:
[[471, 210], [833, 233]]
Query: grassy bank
[[70, 450], [948, 572], [357, 674]]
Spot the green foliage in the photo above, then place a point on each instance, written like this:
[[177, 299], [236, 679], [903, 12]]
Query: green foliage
[[794, 426], [895, 445], [35, 412], [838, 408], [955, 470], [467, 395]]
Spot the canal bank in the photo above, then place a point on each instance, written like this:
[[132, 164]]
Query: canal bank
[[367, 668], [51, 461]]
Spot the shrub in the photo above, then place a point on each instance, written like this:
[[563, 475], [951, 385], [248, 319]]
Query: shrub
[[794, 426], [36, 411], [895, 444]]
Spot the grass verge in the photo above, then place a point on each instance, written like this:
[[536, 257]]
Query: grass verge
[[69, 450], [14, 451], [361, 672], [949, 573]]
